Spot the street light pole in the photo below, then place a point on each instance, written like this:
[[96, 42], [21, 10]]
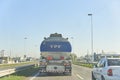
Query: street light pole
[[25, 45], [91, 37]]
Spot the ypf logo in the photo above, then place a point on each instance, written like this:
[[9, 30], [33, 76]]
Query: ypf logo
[[55, 46]]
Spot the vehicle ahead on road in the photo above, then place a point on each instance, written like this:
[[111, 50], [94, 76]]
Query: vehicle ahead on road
[[107, 69], [55, 55]]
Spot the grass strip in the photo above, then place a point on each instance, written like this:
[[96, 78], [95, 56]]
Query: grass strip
[[89, 65]]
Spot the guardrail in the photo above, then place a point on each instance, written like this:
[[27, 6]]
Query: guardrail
[[10, 71], [7, 72]]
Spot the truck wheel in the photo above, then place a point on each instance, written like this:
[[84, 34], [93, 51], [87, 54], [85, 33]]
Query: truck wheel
[[67, 73], [70, 74], [102, 78], [93, 78]]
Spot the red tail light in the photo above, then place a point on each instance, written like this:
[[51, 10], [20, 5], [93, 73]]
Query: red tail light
[[49, 58], [62, 57], [109, 72], [66, 64]]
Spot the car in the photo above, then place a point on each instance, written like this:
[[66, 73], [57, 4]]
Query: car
[[107, 69]]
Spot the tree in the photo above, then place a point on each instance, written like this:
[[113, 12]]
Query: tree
[[73, 57]]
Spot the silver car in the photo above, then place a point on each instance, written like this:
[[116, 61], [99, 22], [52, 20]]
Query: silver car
[[107, 69]]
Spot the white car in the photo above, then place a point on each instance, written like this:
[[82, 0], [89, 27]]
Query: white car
[[107, 69]]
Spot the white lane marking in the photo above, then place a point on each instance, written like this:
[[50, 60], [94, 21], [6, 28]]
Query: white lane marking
[[79, 76], [34, 76]]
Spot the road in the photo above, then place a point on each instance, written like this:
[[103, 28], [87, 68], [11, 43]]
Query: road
[[78, 73]]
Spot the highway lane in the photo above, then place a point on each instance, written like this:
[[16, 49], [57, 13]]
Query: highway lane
[[78, 73], [84, 72]]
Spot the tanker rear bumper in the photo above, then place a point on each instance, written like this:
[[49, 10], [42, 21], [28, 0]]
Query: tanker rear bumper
[[55, 69]]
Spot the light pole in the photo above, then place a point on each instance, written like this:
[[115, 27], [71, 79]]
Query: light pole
[[25, 45], [91, 37]]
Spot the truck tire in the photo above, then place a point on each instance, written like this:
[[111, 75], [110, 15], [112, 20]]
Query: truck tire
[[93, 78], [102, 78], [67, 73], [70, 74]]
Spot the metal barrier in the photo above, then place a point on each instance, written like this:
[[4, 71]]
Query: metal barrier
[[11, 71]]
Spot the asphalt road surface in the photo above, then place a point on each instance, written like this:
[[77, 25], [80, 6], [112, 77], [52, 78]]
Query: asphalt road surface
[[78, 73]]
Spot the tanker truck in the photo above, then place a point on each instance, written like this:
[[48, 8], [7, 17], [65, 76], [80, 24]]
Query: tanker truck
[[55, 54]]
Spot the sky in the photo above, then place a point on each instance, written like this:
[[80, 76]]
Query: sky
[[36, 19]]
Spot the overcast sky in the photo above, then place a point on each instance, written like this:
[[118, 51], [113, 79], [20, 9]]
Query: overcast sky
[[36, 19]]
